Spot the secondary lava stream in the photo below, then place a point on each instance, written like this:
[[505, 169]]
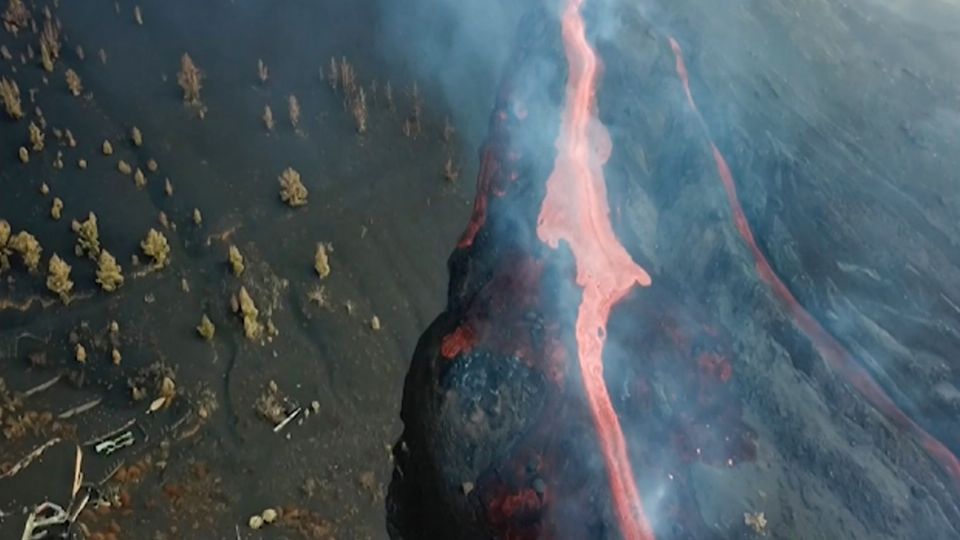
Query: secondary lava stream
[[575, 210], [832, 351]]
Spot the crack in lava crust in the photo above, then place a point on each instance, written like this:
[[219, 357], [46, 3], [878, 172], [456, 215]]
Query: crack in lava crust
[[575, 210]]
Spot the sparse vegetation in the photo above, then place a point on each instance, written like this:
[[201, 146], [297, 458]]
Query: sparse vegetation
[[4, 247], [189, 80], [49, 44], [16, 16], [268, 118], [293, 106], [321, 260], [10, 93], [156, 247], [88, 237], [262, 71], [206, 329], [236, 260], [109, 273], [249, 312], [292, 190], [58, 278], [73, 82], [37, 137], [29, 249], [56, 209]]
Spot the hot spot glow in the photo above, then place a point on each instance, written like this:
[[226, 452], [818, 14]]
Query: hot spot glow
[[575, 210]]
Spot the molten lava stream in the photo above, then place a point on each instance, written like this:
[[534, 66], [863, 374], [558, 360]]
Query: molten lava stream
[[834, 353], [575, 210]]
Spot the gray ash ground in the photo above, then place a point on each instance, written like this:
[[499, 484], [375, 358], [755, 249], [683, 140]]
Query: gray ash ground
[[839, 121], [380, 199]]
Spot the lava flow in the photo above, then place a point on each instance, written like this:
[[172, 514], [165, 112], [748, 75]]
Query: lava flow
[[834, 353], [575, 210]]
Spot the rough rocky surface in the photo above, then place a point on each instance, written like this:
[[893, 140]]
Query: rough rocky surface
[[840, 149]]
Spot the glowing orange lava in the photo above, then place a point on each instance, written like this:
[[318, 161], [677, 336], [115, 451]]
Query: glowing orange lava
[[831, 350], [575, 210]]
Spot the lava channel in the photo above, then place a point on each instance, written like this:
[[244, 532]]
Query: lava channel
[[575, 210]]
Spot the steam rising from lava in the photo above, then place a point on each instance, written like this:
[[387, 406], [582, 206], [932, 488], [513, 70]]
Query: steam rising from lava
[[575, 210]]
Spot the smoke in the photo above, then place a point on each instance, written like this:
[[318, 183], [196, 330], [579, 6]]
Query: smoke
[[456, 48]]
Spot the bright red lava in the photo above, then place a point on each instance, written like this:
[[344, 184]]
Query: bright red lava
[[835, 354], [575, 210]]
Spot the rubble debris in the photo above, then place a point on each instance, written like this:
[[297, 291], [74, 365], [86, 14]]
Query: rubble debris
[[29, 249], [293, 108], [107, 148], [236, 261], [10, 93], [249, 312], [109, 273], [88, 237], [270, 404], [37, 137], [268, 118], [24, 154], [189, 80], [124, 167], [109, 445], [74, 84], [136, 136], [289, 418], [156, 247], [292, 190], [321, 260], [263, 73], [56, 209], [80, 354], [206, 329]]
